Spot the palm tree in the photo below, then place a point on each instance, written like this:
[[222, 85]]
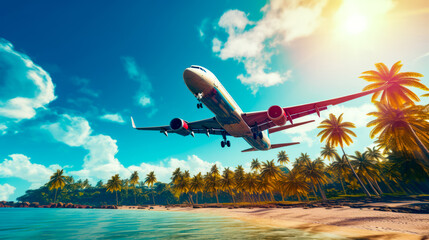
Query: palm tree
[[175, 175], [294, 184], [328, 152], [134, 179], [340, 167], [187, 178], [271, 173], [407, 168], [57, 181], [282, 158], [227, 182], [197, 185], [336, 132], [114, 184], [405, 129], [314, 171], [238, 177], [255, 165], [150, 180], [397, 93], [374, 153], [212, 184], [366, 169], [250, 184], [182, 184]]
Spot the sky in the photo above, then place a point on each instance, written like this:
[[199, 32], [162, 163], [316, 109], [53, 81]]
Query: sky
[[72, 74]]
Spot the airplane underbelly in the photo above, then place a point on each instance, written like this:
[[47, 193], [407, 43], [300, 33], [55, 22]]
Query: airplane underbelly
[[260, 144], [228, 115]]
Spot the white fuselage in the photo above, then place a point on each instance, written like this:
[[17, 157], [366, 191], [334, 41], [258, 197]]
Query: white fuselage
[[205, 86]]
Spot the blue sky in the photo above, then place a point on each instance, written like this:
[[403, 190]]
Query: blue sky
[[72, 74]]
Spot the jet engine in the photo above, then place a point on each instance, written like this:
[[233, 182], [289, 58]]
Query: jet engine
[[277, 115], [180, 126]]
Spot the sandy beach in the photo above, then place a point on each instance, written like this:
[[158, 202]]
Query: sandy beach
[[354, 223]]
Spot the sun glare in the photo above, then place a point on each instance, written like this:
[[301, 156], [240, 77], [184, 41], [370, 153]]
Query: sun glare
[[356, 24]]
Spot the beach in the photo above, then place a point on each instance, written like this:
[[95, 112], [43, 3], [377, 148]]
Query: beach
[[355, 223]]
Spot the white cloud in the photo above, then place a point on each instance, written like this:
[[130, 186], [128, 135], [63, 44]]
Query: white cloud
[[100, 162], [3, 129], [113, 117], [135, 73], [73, 131], [283, 22], [5, 191], [20, 166], [145, 101], [26, 87], [217, 44], [164, 169], [233, 21]]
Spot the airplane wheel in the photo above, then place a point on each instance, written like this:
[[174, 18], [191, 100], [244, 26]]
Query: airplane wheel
[[198, 105], [201, 105], [255, 136], [228, 143], [222, 144], [260, 135]]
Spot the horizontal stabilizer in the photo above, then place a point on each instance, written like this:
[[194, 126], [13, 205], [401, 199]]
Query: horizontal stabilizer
[[272, 146], [273, 130], [279, 145], [250, 150], [132, 122]]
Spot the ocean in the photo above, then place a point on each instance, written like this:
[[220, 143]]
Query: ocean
[[47, 223]]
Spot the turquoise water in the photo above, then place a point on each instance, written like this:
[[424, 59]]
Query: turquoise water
[[41, 223]]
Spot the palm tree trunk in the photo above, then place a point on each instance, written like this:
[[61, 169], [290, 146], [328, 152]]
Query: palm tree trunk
[[55, 198], [117, 203], [376, 185], [322, 192], [425, 151], [153, 198], [135, 196], [230, 192], [299, 199], [372, 187], [190, 198], [217, 198], [356, 176], [386, 183], [272, 196], [313, 188], [342, 184], [196, 197]]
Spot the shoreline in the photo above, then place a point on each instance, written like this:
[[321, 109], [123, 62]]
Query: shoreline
[[354, 223], [400, 219]]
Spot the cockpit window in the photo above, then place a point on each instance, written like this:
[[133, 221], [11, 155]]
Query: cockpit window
[[202, 69]]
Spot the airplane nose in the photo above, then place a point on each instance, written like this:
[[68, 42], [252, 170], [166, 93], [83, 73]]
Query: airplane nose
[[189, 74]]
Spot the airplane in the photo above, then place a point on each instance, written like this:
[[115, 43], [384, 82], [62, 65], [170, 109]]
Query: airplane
[[230, 120]]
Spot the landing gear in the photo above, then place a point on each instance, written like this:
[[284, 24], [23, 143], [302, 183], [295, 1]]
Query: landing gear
[[257, 134], [225, 142], [199, 97]]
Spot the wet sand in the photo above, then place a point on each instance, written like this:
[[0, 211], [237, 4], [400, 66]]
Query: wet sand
[[354, 223]]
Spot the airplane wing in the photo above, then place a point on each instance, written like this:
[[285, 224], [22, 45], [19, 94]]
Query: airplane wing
[[261, 120], [206, 126]]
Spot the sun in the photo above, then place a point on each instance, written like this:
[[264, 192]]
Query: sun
[[355, 24]]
